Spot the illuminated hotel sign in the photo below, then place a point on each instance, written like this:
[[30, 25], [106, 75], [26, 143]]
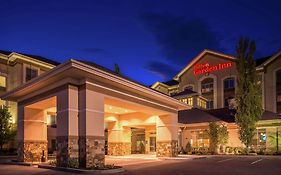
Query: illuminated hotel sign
[[207, 68]]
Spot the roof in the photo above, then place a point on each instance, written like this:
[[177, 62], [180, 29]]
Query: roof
[[40, 58], [195, 115], [171, 82], [262, 60], [78, 73], [110, 71], [184, 93]]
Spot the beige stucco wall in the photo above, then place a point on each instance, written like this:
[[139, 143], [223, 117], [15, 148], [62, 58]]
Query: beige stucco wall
[[270, 84], [188, 78]]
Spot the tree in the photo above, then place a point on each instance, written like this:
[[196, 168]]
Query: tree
[[218, 136], [117, 69], [248, 93], [7, 133]]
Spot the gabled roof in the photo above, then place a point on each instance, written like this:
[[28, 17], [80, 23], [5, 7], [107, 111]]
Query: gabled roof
[[204, 52], [267, 60], [171, 82], [40, 58], [186, 92]]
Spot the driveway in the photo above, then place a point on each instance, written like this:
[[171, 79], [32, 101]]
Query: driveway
[[210, 165]]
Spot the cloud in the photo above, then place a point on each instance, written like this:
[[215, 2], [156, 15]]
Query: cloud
[[178, 38], [164, 70], [93, 50]]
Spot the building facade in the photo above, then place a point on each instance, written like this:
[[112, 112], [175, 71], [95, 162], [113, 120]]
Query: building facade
[[17, 69], [71, 106], [208, 83]]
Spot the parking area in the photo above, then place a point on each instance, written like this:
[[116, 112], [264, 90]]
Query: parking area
[[211, 165], [195, 165]]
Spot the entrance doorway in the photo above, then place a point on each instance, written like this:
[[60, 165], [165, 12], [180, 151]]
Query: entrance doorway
[[152, 144], [138, 141]]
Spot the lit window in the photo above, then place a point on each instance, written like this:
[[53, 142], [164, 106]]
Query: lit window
[[2, 82], [30, 73], [201, 103], [51, 120], [190, 101]]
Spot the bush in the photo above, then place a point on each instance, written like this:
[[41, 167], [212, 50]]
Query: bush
[[101, 166], [188, 148], [73, 163]]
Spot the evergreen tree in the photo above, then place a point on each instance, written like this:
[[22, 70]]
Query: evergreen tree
[[218, 135], [6, 131], [117, 69], [248, 93]]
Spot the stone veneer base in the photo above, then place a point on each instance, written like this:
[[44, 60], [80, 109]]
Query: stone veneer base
[[32, 151], [119, 148], [166, 148], [91, 151], [67, 149]]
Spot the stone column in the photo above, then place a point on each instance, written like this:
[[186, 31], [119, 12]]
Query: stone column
[[91, 127], [119, 139], [166, 135], [32, 134], [67, 125]]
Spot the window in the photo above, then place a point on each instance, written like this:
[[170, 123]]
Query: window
[[201, 139], [188, 101], [207, 85], [189, 88], [52, 121], [210, 105], [30, 73], [201, 103], [2, 82], [229, 83]]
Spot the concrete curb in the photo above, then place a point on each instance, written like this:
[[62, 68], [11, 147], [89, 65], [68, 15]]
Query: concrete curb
[[73, 170], [202, 157], [11, 162]]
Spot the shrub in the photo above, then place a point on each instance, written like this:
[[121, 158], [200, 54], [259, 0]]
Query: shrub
[[188, 148], [73, 163]]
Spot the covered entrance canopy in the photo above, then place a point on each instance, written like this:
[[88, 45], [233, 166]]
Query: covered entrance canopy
[[87, 98]]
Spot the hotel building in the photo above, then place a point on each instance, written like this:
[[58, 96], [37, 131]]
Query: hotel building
[[81, 110], [208, 84]]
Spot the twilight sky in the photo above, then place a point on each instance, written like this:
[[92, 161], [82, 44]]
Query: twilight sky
[[151, 40]]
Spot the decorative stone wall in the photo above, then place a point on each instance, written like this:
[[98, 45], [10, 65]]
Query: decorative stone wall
[[167, 148], [67, 148], [91, 151], [32, 151], [119, 148]]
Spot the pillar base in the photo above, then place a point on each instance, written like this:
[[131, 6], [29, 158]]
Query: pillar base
[[119, 148], [67, 149], [167, 148], [91, 151], [32, 151]]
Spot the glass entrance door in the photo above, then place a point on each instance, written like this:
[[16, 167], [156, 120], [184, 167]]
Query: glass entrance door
[[152, 144]]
